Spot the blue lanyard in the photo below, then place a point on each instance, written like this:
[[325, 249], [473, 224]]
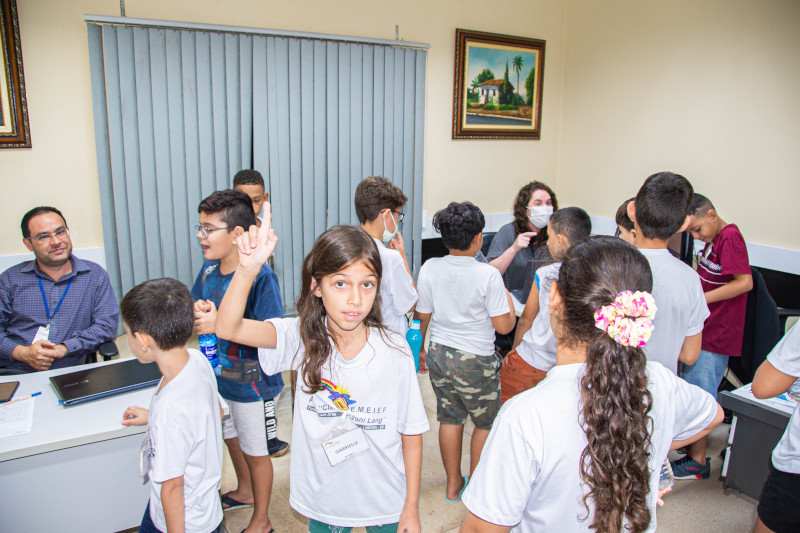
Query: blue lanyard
[[44, 298]]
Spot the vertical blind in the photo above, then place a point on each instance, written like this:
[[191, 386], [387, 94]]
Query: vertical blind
[[178, 111]]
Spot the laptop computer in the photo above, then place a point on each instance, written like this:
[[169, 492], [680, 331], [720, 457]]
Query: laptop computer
[[107, 380]]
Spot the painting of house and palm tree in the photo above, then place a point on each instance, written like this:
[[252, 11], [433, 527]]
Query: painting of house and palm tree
[[498, 88]]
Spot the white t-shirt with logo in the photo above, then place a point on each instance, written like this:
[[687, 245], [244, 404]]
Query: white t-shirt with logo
[[538, 346], [380, 385], [397, 290], [681, 303], [529, 473], [785, 357], [185, 432], [463, 295]]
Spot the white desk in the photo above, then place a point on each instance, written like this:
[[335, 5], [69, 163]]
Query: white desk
[[78, 468]]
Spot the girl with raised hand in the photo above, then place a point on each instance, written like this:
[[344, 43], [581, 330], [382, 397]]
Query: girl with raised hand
[[583, 450], [358, 413]]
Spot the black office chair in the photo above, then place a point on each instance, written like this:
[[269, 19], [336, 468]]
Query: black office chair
[[106, 351], [762, 330], [785, 290]]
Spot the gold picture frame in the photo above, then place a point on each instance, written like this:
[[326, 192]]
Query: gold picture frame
[[14, 127], [498, 86]]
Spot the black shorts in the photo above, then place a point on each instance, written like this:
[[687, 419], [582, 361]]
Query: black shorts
[[779, 507]]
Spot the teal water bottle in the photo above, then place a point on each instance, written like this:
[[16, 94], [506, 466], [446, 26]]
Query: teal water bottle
[[414, 338]]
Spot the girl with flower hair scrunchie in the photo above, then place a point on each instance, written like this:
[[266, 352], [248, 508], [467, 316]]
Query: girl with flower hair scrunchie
[[583, 450]]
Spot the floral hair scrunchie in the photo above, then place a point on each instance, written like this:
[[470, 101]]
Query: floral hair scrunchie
[[629, 320]]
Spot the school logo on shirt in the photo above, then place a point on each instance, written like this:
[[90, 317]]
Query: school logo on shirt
[[339, 395]]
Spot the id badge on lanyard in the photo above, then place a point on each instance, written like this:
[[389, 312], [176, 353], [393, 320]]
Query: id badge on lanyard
[[43, 333]]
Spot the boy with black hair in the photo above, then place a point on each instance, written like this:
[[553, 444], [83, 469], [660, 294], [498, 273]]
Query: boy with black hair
[[379, 204], [251, 182], [725, 276], [534, 349], [465, 302], [182, 452], [661, 209], [625, 229], [223, 217]]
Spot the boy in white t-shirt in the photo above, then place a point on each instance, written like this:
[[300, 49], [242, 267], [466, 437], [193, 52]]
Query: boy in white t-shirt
[[465, 302], [379, 204], [182, 452], [779, 505], [661, 209], [534, 350]]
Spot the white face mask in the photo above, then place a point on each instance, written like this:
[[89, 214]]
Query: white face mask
[[540, 215]]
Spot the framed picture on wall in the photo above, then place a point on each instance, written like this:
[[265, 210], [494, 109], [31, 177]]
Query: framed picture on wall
[[498, 86], [14, 128]]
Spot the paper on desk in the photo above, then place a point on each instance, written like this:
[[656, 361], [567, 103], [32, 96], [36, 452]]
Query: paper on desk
[[16, 418], [783, 401]]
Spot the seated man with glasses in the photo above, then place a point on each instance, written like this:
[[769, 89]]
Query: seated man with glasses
[[57, 308]]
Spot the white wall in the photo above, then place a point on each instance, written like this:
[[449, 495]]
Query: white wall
[[706, 89], [61, 169]]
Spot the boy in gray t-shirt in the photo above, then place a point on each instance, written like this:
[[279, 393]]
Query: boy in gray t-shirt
[[779, 506], [661, 209]]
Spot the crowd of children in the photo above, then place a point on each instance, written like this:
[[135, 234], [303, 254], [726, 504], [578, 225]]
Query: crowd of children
[[616, 360]]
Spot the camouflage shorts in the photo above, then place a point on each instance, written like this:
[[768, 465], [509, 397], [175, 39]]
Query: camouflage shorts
[[465, 384]]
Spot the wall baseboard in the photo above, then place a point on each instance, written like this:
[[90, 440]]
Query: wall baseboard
[[95, 254], [761, 255]]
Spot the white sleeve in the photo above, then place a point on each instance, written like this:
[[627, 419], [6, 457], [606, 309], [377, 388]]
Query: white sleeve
[[425, 302], [400, 285], [286, 354], [699, 308], [411, 416], [172, 444], [694, 408], [500, 488], [785, 357], [496, 300]]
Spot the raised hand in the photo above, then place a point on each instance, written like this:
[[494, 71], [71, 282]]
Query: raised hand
[[257, 244], [524, 239]]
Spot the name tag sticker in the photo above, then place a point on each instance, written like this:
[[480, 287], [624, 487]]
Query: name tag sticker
[[345, 446], [42, 334]]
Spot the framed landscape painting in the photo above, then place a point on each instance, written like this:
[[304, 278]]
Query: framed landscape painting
[[498, 86], [14, 128]]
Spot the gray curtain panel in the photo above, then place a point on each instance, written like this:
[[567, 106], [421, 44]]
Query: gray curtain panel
[[178, 111]]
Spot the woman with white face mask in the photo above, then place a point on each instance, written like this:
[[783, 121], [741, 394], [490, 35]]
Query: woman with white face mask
[[518, 242]]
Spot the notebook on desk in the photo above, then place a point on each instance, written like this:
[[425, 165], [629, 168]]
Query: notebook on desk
[[107, 380]]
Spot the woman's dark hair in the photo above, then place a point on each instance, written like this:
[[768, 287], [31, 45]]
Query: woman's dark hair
[[521, 213], [337, 248], [614, 396], [459, 224]]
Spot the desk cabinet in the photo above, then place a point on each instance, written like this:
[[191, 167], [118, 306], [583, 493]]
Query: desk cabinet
[[756, 431]]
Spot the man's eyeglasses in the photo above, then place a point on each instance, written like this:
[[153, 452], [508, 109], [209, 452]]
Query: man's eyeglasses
[[400, 216], [44, 238], [205, 231], [616, 232]]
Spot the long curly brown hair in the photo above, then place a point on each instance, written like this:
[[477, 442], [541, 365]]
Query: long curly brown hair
[[614, 396], [337, 248], [521, 221]]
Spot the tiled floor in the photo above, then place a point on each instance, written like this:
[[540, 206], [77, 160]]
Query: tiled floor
[[696, 506]]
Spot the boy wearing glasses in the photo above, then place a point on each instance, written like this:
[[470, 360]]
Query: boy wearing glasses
[[223, 217], [379, 204], [56, 309]]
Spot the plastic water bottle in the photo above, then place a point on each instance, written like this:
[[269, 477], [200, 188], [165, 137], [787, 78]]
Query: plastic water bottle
[[208, 346], [414, 338]]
